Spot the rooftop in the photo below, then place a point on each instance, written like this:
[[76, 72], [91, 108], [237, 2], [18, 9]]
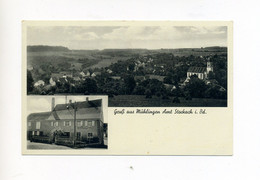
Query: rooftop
[[85, 110], [197, 69]]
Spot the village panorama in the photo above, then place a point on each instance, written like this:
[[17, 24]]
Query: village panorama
[[187, 77]]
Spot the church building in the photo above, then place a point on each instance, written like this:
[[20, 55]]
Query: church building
[[201, 72]]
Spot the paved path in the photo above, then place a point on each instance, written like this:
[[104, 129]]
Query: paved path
[[35, 145]]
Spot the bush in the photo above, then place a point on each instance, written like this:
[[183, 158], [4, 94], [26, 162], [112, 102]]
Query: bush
[[158, 94], [165, 97], [176, 100], [148, 93]]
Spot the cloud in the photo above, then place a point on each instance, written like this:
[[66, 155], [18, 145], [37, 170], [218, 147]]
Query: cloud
[[97, 37], [161, 33], [85, 36]]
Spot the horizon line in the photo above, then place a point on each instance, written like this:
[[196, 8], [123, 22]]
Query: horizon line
[[130, 48]]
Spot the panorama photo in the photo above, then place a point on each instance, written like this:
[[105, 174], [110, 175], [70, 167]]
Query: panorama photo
[[135, 66]]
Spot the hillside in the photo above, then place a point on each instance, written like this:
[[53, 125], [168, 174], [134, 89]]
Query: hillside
[[42, 48], [60, 57]]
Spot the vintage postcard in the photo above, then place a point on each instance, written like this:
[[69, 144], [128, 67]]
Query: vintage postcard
[[127, 87]]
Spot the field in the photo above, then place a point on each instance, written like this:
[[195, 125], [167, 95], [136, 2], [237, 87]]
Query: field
[[90, 59], [104, 58], [141, 101]]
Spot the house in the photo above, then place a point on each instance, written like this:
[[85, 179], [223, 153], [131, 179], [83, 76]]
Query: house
[[115, 77], [72, 124], [62, 74], [94, 74], [66, 74], [109, 71], [201, 72], [159, 78], [139, 78], [82, 74], [39, 83], [76, 79], [52, 82], [87, 73]]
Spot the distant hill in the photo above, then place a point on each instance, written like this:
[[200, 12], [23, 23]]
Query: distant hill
[[216, 48], [42, 48]]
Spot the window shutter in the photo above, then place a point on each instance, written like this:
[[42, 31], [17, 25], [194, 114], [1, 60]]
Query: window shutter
[[70, 123], [93, 123], [64, 123]]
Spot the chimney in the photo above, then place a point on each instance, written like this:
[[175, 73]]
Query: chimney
[[52, 104], [86, 99], [70, 101]]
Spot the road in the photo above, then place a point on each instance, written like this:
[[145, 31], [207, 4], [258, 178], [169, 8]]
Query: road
[[35, 145]]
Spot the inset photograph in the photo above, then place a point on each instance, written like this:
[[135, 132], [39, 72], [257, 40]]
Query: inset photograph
[[66, 122]]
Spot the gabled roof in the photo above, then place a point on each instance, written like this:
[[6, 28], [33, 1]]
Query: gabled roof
[[38, 116], [85, 110], [197, 69], [80, 105]]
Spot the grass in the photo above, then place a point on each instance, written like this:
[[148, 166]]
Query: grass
[[141, 101]]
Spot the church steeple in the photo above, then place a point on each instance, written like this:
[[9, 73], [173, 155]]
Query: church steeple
[[209, 67]]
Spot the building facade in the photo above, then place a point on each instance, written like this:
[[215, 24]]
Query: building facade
[[71, 124], [201, 72]]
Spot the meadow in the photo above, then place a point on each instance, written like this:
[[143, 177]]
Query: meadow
[[141, 101]]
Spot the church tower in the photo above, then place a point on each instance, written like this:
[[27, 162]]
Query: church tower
[[209, 67]]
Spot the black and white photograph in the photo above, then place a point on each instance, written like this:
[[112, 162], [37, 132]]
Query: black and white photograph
[[104, 88], [66, 122], [135, 66]]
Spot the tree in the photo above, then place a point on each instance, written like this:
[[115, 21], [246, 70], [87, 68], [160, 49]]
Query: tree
[[129, 84], [139, 90], [196, 87], [211, 75], [89, 86], [148, 93], [30, 82]]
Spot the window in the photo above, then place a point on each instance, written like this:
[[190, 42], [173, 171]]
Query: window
[[29, 124], [33, 133], [37, 133], [89, 123], [56, 124], [79, 123], [41, 133], [38, 125], [90, 135], [67, 123], [51, 123]]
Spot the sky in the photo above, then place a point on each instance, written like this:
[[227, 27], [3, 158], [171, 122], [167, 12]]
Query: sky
[[37, 104], [122, 37]]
